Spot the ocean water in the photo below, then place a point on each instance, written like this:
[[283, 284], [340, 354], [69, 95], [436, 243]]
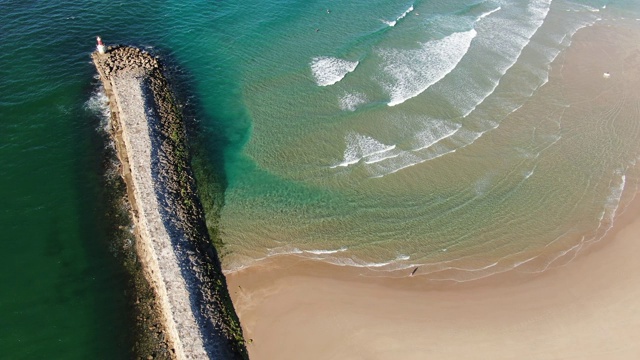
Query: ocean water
[[386, 134]]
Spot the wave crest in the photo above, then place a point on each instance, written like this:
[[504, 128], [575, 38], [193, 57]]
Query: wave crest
[[394, 22], [414, 71], [329, 70]]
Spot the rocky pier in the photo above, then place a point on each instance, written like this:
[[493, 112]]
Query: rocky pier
[[172, 243]]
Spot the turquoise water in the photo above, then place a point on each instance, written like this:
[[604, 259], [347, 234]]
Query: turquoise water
[[368, 133], [397, 134]]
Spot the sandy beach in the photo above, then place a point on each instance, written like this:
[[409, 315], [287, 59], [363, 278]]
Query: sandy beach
[[587, 308], [294, 308]]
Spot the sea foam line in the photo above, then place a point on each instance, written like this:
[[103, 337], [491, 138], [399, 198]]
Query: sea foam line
[[340, 261], [355, 262], [287, 250], [326, 252]]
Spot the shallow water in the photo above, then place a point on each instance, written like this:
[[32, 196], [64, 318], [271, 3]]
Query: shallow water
[[430, 142], [383, 134]]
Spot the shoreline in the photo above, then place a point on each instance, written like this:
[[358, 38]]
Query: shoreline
[[584, 306], [173, 246], [585, 309]]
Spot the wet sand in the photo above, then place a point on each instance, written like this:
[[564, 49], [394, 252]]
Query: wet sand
[[587, 308]]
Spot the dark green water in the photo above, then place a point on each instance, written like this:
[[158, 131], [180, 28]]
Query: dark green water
[[62, 287], [62, 290]]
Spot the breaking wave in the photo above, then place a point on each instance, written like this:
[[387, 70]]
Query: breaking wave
[[414, 71], [394, 22], [330, 70]]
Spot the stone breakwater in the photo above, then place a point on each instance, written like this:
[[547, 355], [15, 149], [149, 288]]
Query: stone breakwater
[[172, 241]]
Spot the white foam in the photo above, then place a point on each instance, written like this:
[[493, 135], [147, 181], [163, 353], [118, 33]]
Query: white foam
[[529, 173], [405, 13], [98, 104], [613, 200], [358, 263], [394, 22], [611, 204], [484, 15], [403, 161], [438, 131], [380, 157], [285, 250], [355, 262], [575, 248], [511, 36], [473, 269], [360, 147], [341, 261], [347, 162], [326, 252], [329, 70], [461, 138], [351, 101], [414, 71]]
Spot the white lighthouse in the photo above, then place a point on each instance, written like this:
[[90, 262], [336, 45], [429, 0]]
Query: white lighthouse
[[100, 45]]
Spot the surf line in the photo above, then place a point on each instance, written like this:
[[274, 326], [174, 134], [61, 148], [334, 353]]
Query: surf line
[[172, 243]]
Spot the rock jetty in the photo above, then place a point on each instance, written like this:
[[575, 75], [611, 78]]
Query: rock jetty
[[172, 242]]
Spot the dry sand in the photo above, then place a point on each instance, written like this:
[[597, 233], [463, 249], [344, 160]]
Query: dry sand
[[293, 308]]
